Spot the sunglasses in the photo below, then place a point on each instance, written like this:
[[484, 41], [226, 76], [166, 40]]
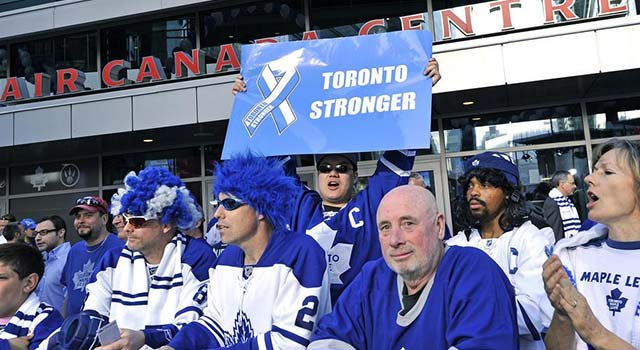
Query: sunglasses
[[326, 168], [228, 203], [88, 201], [136, 221]]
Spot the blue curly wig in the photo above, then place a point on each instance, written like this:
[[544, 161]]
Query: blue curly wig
[[261, 183], [156, 193]]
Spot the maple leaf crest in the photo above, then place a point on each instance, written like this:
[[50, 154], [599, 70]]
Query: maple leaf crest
[[615, 301], [242, 330]]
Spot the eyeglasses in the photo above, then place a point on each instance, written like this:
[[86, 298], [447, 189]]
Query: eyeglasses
[[326, 168], [135, 221], [228, 203], [45, 232]]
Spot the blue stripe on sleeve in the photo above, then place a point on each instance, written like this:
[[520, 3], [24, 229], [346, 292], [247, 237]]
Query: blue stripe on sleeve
[[530, 326], [267, 341], [291, 336], [189, 309]]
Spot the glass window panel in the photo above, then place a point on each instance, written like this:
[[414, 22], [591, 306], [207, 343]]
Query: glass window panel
[[536, 168], [195, 187], [510, 129], [4, 61], [343, 16], [159, 38], [183, 162], [56, 176], [247, 22], [77, 51], [3, 182], [614, 118], [41, 206], [212, 154]]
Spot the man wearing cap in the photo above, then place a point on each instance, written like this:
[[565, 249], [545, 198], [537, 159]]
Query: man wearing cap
[[29, 226], [492, 216], [89, 218], [337, 178], [343, 222], [158, 281], [51, 232]]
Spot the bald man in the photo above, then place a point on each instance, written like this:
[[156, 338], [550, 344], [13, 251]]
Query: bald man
[[421, 291]]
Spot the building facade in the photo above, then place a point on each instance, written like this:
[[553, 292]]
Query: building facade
[[92, 89]]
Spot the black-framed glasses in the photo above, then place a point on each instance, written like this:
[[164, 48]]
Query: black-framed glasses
[[228, 203], [45, 232], [137, 221], [326, 168]]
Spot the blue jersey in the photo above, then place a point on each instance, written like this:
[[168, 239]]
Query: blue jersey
[[350, 237], [271, 305], [469, 304], [79, 267], [33, 317]]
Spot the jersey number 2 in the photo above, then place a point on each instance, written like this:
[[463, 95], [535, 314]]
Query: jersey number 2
[[310, 309]]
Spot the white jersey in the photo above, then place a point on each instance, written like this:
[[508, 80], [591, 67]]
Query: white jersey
[[271, 305], [606, 273], [520, 253]]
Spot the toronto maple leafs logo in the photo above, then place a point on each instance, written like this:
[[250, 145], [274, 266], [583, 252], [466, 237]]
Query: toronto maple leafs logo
[[39, 179], [338, 258], [615, 301], [218, 248], [242, 330], [81, 277]]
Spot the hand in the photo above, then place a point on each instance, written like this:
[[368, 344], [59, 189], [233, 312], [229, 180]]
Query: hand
[[555, 279], [20, 343], [238, 85], [578, 310], [129, 340], [433, 71], [570, 304]]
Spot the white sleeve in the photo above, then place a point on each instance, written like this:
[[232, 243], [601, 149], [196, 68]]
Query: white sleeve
[[193, 298], [99, 292], [212, 315], [296, 313], [533, 306]]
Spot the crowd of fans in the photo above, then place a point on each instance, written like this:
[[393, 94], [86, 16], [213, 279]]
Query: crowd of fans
[[285, 267]]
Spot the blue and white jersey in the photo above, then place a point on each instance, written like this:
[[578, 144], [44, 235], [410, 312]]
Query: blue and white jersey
[[606, 273], [271, 305], [33, 317], [520, 253], [79, 267], [350, 237], [123, 290], [468, 304]]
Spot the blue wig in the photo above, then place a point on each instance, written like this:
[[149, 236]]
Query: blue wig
[[157, 194], [261, 183]]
